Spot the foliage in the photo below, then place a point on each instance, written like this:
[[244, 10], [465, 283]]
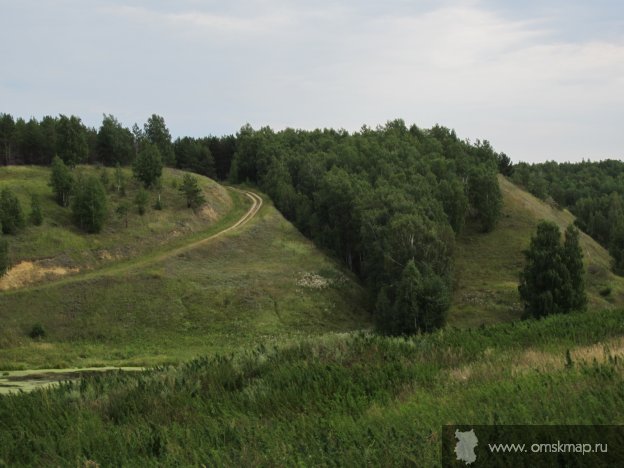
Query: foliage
[[89, 204], [140, 200], [157, 133], [485, 197], [72, 143], [378, 199], [11, 215], [592, 191], [37, 331], [553, 278], [148, 165], [355, 400], [192, 192], [61, 181], [194, 155], [115, 144], [36, 217], [505, 166]]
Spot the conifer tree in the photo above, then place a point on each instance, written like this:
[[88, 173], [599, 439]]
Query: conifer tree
[[546, 286], [192, 192]]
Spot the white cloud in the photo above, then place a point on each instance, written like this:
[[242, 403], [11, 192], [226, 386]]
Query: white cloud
[[209, 67]]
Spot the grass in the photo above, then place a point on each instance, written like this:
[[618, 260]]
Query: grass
[[59, 246], [246, 288], [351, 399], [488, 265]]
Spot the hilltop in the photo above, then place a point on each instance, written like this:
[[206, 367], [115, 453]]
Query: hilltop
[[487, 265]]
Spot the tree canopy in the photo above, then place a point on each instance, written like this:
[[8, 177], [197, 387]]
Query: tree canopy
[[148, 165]]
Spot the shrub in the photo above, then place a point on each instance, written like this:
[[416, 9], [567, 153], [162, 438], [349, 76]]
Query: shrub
[[11, 216], [606, 291], [37, 331], [140, 200]]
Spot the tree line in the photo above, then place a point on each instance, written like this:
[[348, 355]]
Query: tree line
[[38, 141], [592, 191]]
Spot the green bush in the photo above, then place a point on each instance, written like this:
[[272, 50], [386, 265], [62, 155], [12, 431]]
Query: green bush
[[37, 331]]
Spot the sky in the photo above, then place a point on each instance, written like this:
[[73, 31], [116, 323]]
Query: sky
[[541, 80]]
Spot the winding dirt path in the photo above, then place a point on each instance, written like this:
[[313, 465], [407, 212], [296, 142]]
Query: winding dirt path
[[27, 380], [129, 264], [256, 204]]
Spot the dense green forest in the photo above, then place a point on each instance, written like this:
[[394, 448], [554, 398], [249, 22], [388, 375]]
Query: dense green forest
[[592, 191], [388, 201]]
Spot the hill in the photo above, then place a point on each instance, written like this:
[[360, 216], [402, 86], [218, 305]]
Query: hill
[[57, 247], [262, 283], [355, 400], [487, 265]]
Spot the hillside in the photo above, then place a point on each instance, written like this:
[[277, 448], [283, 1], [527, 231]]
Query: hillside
[[487, 265], [359, 400], [261, 284], [57, 247]]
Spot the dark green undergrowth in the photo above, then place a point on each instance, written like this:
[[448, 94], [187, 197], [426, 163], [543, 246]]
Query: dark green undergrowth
[[352, 399]]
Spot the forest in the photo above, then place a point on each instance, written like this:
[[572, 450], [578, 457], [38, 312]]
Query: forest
[[592, 191]]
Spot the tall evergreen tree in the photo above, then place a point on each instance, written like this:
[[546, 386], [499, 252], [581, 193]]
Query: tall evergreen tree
[[545, 283], [192, 192]]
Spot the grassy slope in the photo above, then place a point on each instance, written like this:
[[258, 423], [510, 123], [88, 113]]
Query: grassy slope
[[338, 401], [57, 244], [488, 265], [246, 288]]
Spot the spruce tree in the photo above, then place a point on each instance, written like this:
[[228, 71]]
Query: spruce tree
[[192, 192], [545, 283]]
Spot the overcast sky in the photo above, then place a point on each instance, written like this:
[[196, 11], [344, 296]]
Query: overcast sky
[[538, 79]]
